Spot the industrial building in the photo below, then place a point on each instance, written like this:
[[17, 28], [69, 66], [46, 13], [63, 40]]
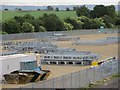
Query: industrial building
[[69, 57], [10, 63]]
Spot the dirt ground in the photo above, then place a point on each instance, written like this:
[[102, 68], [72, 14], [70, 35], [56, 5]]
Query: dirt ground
[[112, 83], [105, 51]]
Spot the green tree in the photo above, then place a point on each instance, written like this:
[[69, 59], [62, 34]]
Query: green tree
[[67, 9], [108, 21], [77, 24], [1, 32], [42, 29], [49, 8], [5, 9], [57, 9], [87, 22], [28, 18], [68, 26], [99, 11], [97, 22], [38, 9], [27, 27], [83, 11], [18, 9], [75, 8], [52, 23], [117, 19], [37, 23], [11, 26], [111, 11], [19, 19]]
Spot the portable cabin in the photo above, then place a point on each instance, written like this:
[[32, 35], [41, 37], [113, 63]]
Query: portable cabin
[[11, 63]]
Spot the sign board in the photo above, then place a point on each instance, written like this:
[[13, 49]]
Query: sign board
[[101, 29]]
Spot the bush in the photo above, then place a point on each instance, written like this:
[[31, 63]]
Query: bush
[[27, 27], [68, 26]]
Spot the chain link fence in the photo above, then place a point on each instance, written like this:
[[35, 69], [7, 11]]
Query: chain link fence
[[81, 78], [47, 34]]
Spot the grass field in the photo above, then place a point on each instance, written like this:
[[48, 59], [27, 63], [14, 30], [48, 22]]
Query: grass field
[[61, 14]]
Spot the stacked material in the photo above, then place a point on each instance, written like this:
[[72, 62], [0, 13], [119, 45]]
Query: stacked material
[[107, 40], [34, 46]]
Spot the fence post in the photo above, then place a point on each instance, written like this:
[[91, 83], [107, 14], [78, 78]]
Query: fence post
[[43, 84], [79, 79], [63, 82], [53, 84], [89, 76], [32, 86], [71, 80]]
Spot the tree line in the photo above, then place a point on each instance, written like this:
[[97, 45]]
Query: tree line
[[87, 19]]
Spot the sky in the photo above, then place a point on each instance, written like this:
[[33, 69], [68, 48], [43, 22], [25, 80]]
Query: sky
[[57, 2]]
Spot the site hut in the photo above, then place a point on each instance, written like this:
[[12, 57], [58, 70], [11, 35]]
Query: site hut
[[69, 57], [10, 63]]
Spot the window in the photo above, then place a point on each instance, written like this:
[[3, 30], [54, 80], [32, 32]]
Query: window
[[83, 58], [91, 57], [74, 57], [48, 56], [60, 57], [78, 58], [56, 57], [86, 57], [45, 56], [65, 57]]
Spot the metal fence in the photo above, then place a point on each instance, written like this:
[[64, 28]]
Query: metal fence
[[79, 79], [45, 34]]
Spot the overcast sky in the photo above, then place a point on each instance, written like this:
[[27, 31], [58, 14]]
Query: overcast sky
[[57, 2]]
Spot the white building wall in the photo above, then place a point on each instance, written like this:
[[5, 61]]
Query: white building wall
[[10, 64], [0, 70]]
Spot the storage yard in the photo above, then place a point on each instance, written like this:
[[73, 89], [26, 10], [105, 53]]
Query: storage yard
[[105, 51]]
